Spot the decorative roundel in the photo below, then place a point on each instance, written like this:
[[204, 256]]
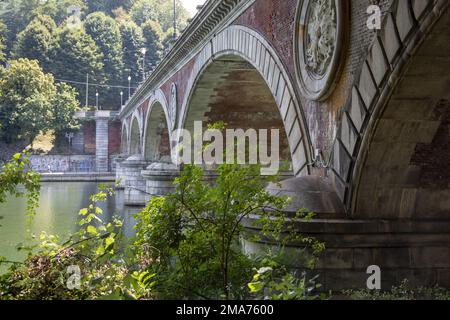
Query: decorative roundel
[[173, 106], [320, 41]]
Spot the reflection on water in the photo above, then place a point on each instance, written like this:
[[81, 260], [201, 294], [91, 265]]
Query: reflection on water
[[57, 214]]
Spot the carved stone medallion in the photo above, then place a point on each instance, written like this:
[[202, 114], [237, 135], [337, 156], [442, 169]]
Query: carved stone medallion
[[320, 41], [173, 106]]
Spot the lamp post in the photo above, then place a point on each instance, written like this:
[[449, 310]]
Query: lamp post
[[129, 87], [174, 19], [143, 51], [69, 136], [121, 99], [96, 100]]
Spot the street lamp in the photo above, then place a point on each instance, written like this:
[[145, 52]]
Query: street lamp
[[129, 87], [143, 51], [96, 100], [121, 99], [174, 20], [70, 136]]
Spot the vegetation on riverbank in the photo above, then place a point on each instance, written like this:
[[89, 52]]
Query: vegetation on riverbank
[[32, 103], [188, 245]]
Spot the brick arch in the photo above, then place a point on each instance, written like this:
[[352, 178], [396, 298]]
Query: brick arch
[[125, 138], [388, 118], [157, 117], [135, 140], [253, 48]]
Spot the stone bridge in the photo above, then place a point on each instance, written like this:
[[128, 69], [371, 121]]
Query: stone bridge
[[364, 114]]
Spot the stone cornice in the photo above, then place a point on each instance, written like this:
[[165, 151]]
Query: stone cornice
[[210, 19]]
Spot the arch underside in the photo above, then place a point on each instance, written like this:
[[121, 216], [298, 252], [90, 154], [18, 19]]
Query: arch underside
[[405, 168], [157, 139], [232, 91], [124, 139], [135, 137]]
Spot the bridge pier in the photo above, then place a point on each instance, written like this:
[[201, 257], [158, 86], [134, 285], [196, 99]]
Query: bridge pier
[[403, 249], [120, 172], [159, 179], [102, 144], [132, 180]]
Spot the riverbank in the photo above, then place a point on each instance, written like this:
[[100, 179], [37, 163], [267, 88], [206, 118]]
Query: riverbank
[[78, 177]]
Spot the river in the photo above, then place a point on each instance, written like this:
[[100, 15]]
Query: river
[[57, 214]]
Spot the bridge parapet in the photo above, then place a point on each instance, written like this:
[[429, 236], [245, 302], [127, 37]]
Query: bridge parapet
[[215, 14]]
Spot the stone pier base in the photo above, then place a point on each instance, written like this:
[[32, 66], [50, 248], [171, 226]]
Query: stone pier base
[[132, 181], [415, 250], [159, 179]]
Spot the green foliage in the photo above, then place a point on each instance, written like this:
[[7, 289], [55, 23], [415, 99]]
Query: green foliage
[[159, 10], [17, 173], [58, 9], [153, 35], [93, 250], [191, 239], [36, 29], [75, 56], [36, 41], [132, 43], [187, 245], [64, 106], [105, 32], [17, 14], [3, 35], [275, 282], [31, 103], [401, 292], [107, 6], [25, 93]]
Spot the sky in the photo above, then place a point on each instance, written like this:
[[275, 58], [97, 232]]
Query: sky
[[190, 5]]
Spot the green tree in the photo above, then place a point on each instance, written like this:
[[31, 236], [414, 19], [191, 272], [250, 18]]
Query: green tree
[[191, 238], [36, 41], [106, 34], [153, 35], [64, 106], [3, 35], [17, 172], [107, 6], [168, 39], [17, 14], [93, 249], [31, 103], [59, 10], [25, 105], [132, 43], [75, 56], [159, 10]]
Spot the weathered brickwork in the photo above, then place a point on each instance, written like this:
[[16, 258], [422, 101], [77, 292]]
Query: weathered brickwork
[[115, 133], [275, 20], [382, 190], [180, 80], [242, 101], [89, 137], [433, 158]]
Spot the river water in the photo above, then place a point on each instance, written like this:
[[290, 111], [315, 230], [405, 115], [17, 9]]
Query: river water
[[57, 214]]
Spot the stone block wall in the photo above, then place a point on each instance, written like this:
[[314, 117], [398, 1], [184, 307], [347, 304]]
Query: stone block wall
[[62, 163]]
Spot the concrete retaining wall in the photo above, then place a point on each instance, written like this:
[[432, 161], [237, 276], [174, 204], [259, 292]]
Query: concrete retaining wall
[[57, 163], [72, 163]]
